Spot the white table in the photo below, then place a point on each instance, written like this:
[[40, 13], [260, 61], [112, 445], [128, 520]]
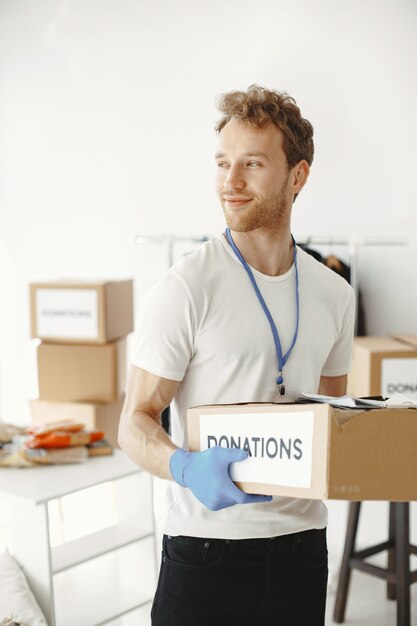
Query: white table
[[55, 573]]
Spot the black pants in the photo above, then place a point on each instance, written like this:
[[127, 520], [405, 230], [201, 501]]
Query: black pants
[[279, 581]]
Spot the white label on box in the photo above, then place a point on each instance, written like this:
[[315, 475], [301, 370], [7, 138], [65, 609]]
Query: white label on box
[[280, 445], [399, 376], [67, 313]]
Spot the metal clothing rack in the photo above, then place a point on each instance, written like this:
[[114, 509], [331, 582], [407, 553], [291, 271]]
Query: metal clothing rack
[[352, 243]]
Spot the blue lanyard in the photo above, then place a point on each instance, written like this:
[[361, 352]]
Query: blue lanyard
[[282, 359]]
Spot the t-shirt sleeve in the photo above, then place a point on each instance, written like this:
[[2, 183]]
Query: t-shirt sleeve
[[165, 330], [339, 361]]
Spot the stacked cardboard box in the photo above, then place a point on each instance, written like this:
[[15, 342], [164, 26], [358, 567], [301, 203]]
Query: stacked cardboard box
[[384, 366], [82, 354]]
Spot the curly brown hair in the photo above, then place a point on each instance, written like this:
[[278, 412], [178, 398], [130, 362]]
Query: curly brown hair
[[260, 107]]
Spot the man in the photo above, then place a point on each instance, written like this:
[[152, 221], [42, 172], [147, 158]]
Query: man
[[204, 337]]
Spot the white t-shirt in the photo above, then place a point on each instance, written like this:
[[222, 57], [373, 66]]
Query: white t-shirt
[[203, 325]]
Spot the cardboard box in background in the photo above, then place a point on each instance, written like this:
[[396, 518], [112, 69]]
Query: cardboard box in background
[[314, 450], [77, 312], [383, 366], [82, 373], [103, 417]]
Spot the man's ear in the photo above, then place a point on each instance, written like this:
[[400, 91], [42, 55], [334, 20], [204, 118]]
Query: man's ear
[[299, 175]]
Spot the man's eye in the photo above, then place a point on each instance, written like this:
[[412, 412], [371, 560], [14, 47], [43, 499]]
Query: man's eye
[[221, 164], [254, 164]]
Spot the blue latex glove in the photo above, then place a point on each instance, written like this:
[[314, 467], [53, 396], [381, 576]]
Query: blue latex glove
[[206, 473]]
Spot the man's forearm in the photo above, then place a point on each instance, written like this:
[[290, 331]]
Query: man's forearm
[[146, 443]]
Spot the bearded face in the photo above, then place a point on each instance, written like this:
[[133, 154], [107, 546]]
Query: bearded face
[[269, 211], [252, 177]]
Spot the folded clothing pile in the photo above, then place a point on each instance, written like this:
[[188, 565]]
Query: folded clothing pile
[[58, 442]]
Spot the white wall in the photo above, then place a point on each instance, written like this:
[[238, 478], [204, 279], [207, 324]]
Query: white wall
[[106, 125]]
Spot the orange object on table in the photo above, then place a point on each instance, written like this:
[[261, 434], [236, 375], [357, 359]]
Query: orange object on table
[[63, 439]]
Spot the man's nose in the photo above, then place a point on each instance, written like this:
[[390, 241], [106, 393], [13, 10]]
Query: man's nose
[[235, 178]]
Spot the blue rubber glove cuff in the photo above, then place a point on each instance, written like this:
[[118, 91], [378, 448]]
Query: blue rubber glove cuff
[[177, 463]]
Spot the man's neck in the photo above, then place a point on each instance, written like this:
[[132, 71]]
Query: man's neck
[[269, 252]]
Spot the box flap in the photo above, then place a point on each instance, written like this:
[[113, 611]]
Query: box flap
[[410, 340], [239, 404], [380, 344]]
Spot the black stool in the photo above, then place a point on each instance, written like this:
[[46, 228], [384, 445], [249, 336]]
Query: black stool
[[397, 574]]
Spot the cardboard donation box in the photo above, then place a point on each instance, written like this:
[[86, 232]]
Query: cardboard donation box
[[77, 312], [384, 366], [104, 417], [314, 450], [82, 373]]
